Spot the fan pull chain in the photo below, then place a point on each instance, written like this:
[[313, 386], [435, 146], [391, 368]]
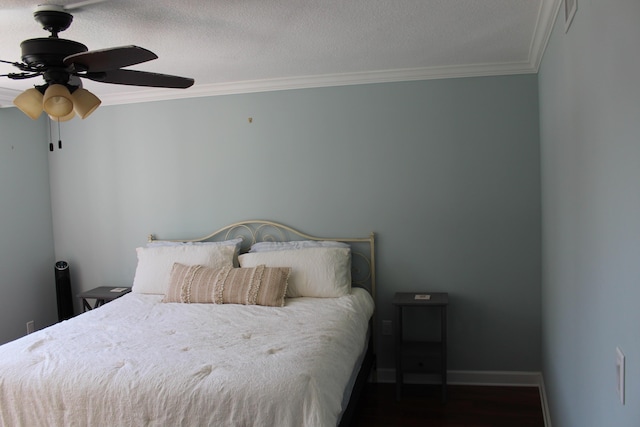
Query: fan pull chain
[[50, 137], [59, 136]]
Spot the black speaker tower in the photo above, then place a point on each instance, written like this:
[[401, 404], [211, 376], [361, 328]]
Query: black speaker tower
[[63, 291]]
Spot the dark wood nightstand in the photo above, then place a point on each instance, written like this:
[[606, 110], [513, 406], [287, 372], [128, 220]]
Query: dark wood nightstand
[[424, 357], [102, 295]]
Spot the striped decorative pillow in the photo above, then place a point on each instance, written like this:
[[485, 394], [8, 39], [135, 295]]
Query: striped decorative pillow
[[258, 285]]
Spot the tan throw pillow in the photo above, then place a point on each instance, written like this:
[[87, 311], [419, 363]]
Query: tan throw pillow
[[259, 285]]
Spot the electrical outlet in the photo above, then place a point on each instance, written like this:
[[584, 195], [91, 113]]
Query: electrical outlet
[[31, 327], [620, 373], [387, 327]]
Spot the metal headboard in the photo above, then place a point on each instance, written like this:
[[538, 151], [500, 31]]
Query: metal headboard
[[363, 266]]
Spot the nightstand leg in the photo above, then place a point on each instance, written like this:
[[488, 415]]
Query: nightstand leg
[[398, 340], [443, 323]]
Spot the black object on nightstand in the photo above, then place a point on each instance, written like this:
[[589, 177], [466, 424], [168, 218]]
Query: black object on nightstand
[[102, 295], [421, 356]]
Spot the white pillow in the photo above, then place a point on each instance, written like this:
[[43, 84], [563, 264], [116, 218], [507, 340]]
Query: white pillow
[[235, 243], [296, 244], [154, 264], [315, 272]]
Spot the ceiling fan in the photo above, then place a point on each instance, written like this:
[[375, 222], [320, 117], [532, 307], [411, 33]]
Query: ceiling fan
[[63, 63]]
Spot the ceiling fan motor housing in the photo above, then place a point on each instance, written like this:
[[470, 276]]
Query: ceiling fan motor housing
[[47, 51]]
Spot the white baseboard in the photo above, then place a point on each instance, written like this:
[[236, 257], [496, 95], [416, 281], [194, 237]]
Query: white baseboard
[[487, 378], [545, 403]]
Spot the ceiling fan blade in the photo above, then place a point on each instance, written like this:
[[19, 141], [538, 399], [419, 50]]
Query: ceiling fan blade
[[20, 76], [26, 74], [140, 78], [109, 59], [81, 4]]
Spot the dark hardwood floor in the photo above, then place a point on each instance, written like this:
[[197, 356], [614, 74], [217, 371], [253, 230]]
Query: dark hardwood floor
[[466, 406]]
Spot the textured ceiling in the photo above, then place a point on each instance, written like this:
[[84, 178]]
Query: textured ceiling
[[235, 46]]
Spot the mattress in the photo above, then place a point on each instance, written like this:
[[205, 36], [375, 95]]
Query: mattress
[[138, 361]]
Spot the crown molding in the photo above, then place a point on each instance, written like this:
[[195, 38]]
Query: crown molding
[[302, 82], [547, 16], [326, 80]]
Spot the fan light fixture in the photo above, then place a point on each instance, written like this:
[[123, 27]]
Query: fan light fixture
[[30, 102], [57, 101], [84, 102], [60, 61]]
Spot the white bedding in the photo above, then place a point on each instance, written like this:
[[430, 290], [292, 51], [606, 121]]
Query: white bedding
[[137, 361]]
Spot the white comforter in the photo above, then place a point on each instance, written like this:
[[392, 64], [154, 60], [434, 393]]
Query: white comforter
[[136, 361]]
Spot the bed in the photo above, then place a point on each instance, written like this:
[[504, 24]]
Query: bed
[[256, 324]]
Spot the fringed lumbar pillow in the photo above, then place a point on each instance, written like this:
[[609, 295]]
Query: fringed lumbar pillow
[[258, 285]]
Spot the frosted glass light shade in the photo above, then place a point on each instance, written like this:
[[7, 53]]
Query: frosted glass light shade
[[30, 103], [84, 102], [66, 118], [57, 101]]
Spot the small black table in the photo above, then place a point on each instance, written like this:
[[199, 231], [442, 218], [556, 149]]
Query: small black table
[[421, 356], [102, 295]]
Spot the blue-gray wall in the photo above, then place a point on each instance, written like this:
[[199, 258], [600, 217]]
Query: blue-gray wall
[[446, 172], [590, 144], [27, 289]]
